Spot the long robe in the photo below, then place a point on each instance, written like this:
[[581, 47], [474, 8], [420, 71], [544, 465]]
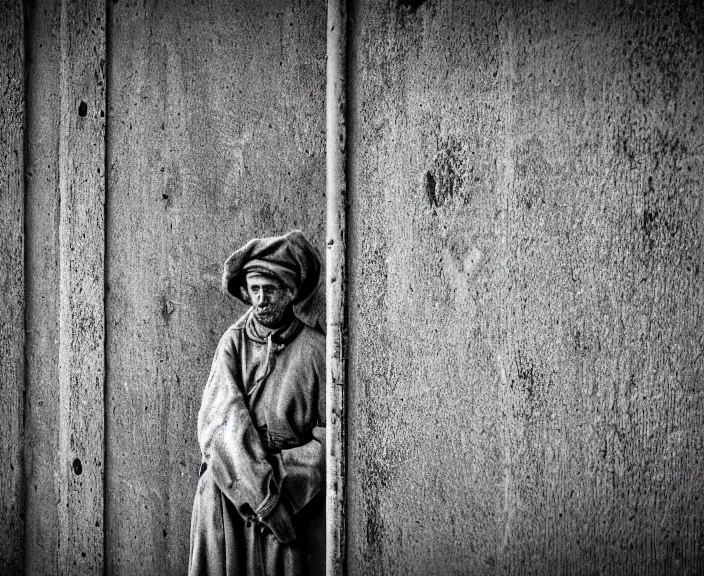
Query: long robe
[[259, 507]]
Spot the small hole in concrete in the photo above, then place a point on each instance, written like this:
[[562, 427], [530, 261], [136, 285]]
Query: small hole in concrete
[[77, 467], [82, 109]]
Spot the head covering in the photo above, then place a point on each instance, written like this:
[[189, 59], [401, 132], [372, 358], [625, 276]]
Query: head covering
[[289, 258], [281, 272]]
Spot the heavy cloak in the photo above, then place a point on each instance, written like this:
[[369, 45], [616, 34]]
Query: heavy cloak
[[259, 507], [263, 447]]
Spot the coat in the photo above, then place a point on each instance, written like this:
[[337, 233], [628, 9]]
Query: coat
[[259, 507]]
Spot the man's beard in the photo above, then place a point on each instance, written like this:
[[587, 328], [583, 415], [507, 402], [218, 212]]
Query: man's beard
[[270, 317]]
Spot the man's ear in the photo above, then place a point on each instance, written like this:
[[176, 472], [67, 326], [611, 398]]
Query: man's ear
[[244, 295]]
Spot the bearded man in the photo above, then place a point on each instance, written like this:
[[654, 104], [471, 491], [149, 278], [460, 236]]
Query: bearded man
[[260, 507]]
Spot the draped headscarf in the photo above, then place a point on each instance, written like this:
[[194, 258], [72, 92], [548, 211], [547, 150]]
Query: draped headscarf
[[290, 258]]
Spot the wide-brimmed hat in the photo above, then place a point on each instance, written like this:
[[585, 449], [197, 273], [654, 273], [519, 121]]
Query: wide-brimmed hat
[[290, 258]]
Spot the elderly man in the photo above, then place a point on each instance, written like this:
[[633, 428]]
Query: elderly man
[[259, 507]]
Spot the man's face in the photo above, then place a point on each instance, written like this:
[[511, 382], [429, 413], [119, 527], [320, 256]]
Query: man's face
[[270, 298]]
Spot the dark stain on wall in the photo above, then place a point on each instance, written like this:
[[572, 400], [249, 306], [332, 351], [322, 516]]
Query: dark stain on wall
[[412, 4], [531, 383], [444, 180]]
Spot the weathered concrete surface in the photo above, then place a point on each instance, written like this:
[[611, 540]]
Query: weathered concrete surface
[[81, 367], [216, 133], [526, 288], [12, 301], [41, 424]]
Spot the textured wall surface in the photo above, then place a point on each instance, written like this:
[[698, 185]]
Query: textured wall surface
[[12, 295], [525, 271], [216, 134], [64, 259], [526, 304], [41, 448], [81, 368]]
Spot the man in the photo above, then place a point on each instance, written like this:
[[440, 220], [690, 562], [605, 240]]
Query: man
[[260, 507]]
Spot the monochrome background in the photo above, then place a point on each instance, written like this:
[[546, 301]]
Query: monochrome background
[[526, 305]]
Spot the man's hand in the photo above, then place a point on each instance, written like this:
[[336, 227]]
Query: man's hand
[[279, 522]]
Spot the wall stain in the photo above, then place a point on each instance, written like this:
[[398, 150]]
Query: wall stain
[[172, 189], [167, 309], [444, 181], [534, 172], [412, 4], [660, 221], [532, 383]]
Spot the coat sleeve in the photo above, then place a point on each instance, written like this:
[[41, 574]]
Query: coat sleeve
[[232, 449], [304, 466], [304, 471]]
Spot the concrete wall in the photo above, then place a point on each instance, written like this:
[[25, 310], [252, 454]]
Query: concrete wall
[[215, 134], [525, 257], [12, 299], [526, 304]]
